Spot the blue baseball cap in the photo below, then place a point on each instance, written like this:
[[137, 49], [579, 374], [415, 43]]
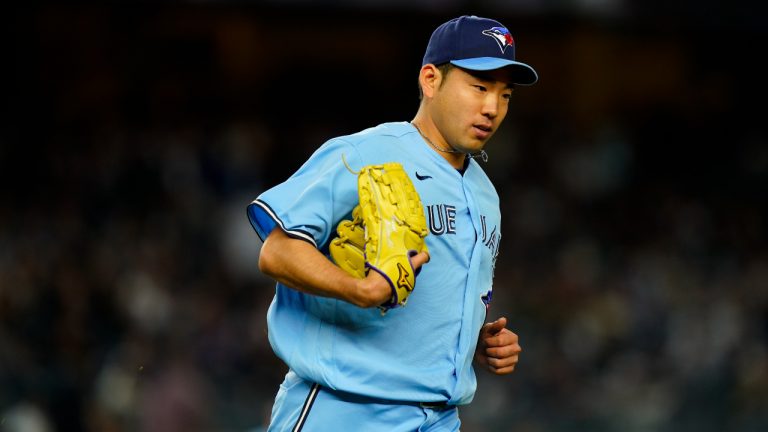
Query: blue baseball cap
[[475, 43]]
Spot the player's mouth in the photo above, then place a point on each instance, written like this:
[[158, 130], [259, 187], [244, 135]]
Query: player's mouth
[[482, 131]]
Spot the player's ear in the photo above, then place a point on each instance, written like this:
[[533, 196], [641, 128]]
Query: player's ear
[[429, 78]]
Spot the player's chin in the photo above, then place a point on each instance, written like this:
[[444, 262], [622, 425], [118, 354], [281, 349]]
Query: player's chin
[[473, 147], [469, 144], [478, 141]]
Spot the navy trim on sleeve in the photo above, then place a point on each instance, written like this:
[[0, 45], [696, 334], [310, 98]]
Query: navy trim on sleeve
[[264, 220]]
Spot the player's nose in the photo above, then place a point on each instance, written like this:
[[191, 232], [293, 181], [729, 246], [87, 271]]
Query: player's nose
[[490, 107]]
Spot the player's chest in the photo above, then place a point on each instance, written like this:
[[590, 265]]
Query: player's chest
[[460, 213]]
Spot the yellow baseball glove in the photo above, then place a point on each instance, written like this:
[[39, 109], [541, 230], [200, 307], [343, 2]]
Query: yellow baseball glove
[[347, 248], [388, 228]]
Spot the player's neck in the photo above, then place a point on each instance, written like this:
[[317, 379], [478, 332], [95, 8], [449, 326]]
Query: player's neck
[[434, 139]]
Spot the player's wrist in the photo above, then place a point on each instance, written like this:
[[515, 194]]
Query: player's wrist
[[372, 291]]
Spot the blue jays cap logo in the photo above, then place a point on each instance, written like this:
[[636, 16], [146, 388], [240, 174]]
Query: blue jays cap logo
[[501, 35]]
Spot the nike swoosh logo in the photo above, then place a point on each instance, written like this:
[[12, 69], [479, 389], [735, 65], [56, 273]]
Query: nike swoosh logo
[[422, 177]]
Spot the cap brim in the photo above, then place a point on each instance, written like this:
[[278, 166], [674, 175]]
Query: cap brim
[[522, 73]]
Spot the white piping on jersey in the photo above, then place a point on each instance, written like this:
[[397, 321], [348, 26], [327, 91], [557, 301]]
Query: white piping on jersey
[[305, 410]]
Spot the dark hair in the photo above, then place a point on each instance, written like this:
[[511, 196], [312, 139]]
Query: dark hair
[[444, 69]]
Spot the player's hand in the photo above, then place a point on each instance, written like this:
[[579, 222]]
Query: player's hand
[[498, 349], [375, 290]]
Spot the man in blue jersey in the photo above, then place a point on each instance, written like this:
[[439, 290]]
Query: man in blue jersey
[[352, 368]]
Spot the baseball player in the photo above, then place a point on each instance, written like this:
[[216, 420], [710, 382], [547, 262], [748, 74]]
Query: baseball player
[[352, 367]]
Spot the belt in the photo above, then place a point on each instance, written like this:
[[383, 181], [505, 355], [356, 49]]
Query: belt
[[437, 406]]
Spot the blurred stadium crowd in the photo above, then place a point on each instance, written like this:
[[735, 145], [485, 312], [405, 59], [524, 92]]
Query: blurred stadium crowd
[[633, 179]]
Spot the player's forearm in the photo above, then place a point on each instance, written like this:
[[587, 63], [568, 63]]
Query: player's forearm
[[297, 264]]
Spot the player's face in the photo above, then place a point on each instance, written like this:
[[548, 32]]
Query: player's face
[[469, 107]]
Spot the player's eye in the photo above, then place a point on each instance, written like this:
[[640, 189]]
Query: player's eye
[[507, 96], [480, 88]]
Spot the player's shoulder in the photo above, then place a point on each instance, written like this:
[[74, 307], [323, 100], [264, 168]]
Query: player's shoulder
[[382, 133], [387, 141]]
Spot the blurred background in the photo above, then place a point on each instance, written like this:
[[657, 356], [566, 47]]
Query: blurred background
[[633, 179]]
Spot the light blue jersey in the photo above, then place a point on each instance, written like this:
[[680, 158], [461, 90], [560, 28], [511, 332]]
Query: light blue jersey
[[418, 353]]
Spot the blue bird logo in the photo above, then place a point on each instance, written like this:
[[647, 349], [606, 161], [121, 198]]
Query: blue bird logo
[[502, 37]]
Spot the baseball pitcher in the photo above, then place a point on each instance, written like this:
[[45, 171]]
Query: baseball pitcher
[[383, 246]]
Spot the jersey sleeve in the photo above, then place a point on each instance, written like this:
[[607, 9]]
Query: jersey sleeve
[[309, 204]]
